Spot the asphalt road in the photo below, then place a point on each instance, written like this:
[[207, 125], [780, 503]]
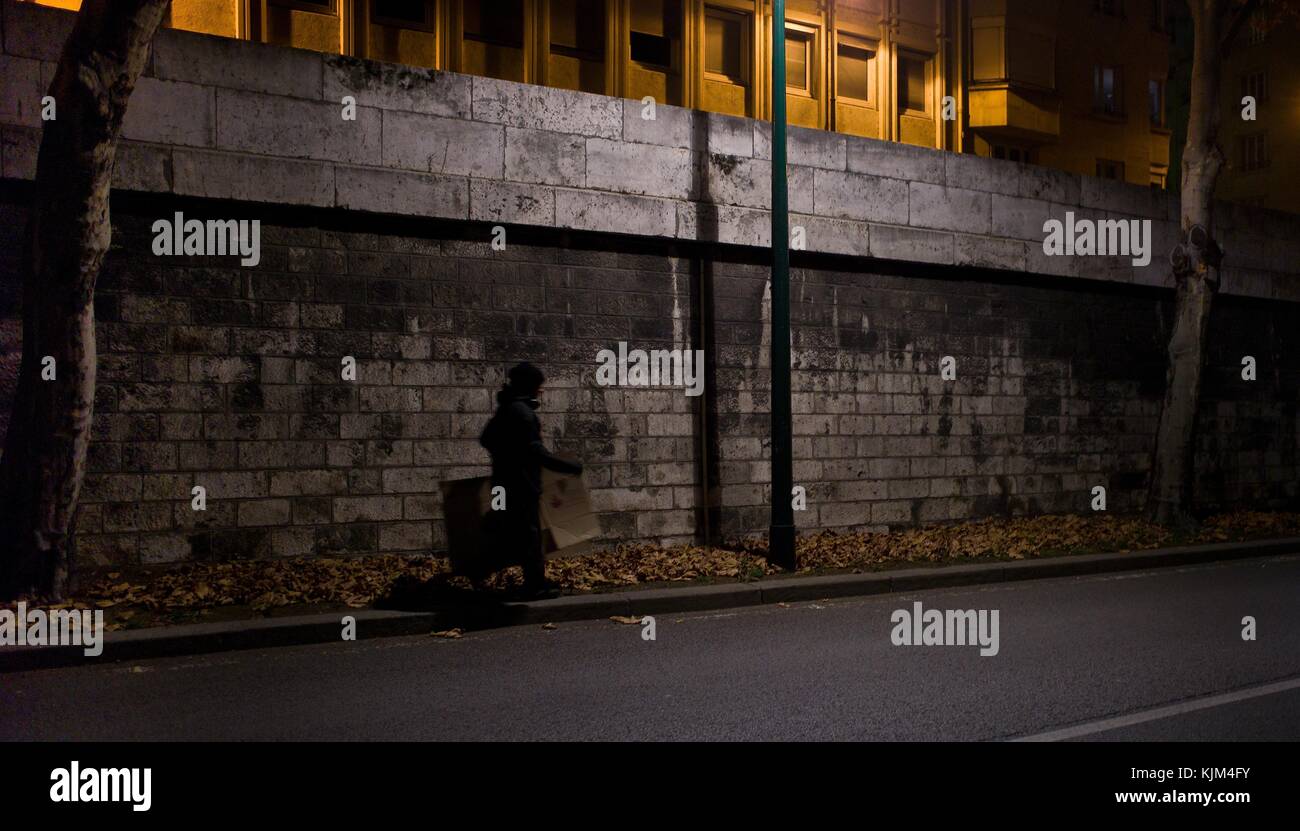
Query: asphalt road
[[1140, 655]]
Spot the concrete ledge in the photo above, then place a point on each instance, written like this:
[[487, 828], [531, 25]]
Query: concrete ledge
[[698, 599], [793, 589], [203, 638]]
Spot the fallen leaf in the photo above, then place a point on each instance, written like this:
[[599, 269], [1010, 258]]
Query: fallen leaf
[[447, 633], [549, 626], [361, 581], [630, 619]]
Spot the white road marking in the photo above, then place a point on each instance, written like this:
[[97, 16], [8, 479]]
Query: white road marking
[[1181, 708]]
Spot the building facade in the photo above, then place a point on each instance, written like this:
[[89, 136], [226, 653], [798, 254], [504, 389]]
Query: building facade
[[1076, 85], [990, 77], [1261, 169]]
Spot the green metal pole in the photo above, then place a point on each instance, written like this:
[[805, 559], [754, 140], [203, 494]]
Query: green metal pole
[[781, 533]]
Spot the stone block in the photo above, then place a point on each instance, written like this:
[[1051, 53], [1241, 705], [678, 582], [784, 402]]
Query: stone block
[[833, 236], [252, 178], [948, 208], [544, 108], [890, 242], [18, 150], [142, 167], [171, 112], [32, 31], [963, 170], [427, 143], [402, 192], [21, 91], [615, 213], [392, 86], [236, 64], [990, 252], [858, 196], [273, 125], [545, 158], [895, 161], [640, 169], [511, 202], [810, 148]]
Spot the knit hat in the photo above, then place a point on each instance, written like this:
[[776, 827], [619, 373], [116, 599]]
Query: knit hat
[[525, 379]]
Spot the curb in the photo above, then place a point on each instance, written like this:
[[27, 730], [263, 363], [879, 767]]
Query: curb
[[201, 638]]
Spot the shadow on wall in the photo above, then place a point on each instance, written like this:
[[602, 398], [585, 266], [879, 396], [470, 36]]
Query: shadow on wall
[[10, 359], [708, 507], [13, 223]]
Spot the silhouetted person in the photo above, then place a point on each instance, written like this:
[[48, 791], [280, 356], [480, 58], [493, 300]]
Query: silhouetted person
[[514, 439]]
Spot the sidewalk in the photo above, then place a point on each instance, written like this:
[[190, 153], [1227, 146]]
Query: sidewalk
[[202, 638]]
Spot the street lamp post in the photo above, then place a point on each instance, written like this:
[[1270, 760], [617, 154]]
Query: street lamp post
[[781, 532]]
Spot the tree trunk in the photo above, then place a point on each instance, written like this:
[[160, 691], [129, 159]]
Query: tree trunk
[[68, 235], [1196, 270]]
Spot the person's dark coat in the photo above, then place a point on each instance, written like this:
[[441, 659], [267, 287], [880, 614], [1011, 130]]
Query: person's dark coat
[[513, 437]]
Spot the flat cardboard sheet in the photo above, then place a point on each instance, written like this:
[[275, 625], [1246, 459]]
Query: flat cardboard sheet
[[567, 520], [566, 511]]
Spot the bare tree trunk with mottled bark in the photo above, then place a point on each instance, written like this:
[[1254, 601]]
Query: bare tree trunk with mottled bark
[[68, 235], [1196, 269]]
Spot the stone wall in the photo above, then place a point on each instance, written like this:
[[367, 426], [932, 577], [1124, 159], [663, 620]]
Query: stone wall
[[376, 244], [229, 377], [1058, 390]]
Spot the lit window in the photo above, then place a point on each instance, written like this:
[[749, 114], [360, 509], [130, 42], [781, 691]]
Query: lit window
[[654, 33], [1108, 89], [1110, 169], [913, 83], [724, 44], [1159, 177], [852, 65], [798, 59]]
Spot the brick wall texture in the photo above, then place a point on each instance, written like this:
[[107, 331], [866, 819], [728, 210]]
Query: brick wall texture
[[376, 244], [229, 377]]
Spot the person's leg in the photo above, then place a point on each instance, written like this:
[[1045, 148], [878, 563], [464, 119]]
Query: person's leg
[[531, 556]]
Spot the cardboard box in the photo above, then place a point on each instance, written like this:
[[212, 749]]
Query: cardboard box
[[567, 521]]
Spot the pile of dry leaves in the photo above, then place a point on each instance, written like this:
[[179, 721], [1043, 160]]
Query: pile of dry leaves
[[262, 584], [361, 581]]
